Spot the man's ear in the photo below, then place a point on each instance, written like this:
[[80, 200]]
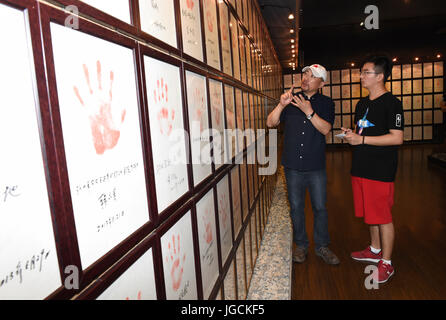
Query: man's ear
[[381, 77], [321, 85]]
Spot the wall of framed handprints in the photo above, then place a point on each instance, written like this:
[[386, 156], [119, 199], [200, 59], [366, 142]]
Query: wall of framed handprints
[[100, 195], [419, 86]]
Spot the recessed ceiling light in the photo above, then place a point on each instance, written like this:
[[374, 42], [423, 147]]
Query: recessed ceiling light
[[291, 16]]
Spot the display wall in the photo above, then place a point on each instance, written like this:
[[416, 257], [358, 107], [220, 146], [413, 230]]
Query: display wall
[[419, 86], [100, 190]]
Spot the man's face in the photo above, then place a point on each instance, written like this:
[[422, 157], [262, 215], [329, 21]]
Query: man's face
[[369, 77], [311, 83]]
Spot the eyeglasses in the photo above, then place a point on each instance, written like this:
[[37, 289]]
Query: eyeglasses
[[368, 72]]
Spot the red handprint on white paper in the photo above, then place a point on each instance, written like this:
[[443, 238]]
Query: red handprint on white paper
[[137, 298], [200, 107], [210, 18], [175, 261], [230, 118], [207, 223], [224, 209], [190, 4], [98, 103], [166, 115], [216, 114]]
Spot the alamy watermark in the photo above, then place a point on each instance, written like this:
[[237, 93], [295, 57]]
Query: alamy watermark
[[371, 281], [372, 20]]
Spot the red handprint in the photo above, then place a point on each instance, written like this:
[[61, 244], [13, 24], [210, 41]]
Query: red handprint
[[224, 210], [200, 106], [210, 19], [138, 297], [190, 4], [166, 115], [230, 118], [99, 103], [223, 30], [176, 261], [217, 115], [208, 226]]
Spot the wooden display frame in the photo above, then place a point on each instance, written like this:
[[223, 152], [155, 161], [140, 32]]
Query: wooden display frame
[[146, 51], [49, 14], [104, 271]]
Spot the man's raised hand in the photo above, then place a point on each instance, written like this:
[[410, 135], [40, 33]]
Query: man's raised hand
[[285, 99]]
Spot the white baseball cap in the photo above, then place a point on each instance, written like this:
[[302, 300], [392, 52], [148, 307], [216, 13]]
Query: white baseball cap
[[318, 71]]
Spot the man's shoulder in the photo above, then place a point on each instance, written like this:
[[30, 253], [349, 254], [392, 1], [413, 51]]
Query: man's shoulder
[[324, 99], [393, 98]]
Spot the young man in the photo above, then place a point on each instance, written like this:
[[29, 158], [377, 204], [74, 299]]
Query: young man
[[308, 116], [379, 131]]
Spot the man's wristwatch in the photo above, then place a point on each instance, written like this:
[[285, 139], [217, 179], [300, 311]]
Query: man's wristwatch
[[311, 115]]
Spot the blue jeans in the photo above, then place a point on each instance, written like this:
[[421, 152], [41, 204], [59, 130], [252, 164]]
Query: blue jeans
[[316, 182]]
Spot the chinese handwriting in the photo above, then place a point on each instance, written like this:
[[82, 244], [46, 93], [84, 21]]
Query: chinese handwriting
[[105, 198], [111, 220], [127, 170], [9, 191], [33, 264]]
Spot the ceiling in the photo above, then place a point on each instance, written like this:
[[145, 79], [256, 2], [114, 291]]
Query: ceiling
[[275, 13], [331, 34]]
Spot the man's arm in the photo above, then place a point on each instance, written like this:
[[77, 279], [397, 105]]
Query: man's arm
[[320, 124], [393, 138], [273, 119]]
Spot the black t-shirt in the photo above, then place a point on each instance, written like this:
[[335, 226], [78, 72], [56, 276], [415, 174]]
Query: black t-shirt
[[376, 118]]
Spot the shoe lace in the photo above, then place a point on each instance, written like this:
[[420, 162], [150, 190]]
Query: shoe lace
[[324, 250]]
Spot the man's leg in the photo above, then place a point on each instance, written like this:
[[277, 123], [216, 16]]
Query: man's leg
[[387, 234], [317, 186], [375, 236], [296, 197]]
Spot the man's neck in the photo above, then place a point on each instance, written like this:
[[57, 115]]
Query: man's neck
[[309, 94], [377, 91]]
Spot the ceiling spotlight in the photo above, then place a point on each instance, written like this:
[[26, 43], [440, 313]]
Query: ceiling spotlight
[[353, 64], [394, 59], [438, 55], [291, 30], [292, 40], [291, 16], [416, 59], [294, 56], [292, 46]]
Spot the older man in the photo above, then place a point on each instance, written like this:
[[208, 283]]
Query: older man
[[308, 117]]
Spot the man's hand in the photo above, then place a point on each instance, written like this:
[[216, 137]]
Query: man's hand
[[351, 137], [287, 97], [302, 104]]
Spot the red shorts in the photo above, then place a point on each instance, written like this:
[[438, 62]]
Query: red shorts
[[373, 200]]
